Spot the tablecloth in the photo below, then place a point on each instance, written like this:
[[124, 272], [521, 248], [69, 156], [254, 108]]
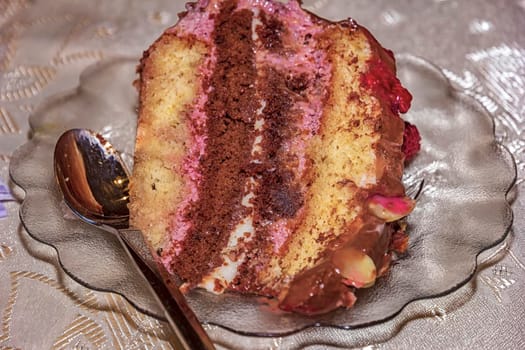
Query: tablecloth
[[45, 45]]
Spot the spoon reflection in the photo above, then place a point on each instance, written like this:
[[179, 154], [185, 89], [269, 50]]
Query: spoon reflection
[[94, 182]]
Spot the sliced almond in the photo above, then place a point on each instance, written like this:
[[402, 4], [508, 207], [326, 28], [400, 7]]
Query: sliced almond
[[357, 268]]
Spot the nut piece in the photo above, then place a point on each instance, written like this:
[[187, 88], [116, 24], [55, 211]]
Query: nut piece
[[390, 208], [357, 268]]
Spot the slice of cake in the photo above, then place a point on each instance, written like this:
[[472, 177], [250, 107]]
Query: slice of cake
[[269, 153]]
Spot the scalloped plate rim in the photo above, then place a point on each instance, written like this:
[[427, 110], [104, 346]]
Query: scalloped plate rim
[[407, 58]]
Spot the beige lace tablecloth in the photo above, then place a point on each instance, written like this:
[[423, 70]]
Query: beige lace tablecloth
[[44, 45]]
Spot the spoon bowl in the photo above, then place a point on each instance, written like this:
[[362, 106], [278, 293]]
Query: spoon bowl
[[93, 178], [94, 182]]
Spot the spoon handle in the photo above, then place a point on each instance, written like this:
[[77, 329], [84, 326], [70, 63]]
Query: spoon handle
[[187, 328], [135, 240]]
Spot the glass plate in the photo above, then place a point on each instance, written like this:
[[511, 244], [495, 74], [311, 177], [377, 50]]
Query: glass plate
[[462, 211]]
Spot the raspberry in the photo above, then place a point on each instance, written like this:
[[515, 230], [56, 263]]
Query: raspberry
[[411, 142]]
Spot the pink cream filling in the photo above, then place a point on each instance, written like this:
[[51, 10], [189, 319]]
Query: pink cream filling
[[305, 59], [197, 20], [198, 23]]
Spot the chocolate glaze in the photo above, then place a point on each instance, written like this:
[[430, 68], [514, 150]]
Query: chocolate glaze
[[317, 291], [231, 114]]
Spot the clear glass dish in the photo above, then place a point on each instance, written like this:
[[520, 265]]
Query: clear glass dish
[[462, 210]]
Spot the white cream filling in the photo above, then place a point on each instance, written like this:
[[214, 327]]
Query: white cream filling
[[223, 275]]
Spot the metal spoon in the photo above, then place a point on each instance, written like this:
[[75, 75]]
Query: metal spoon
[[94, 182]]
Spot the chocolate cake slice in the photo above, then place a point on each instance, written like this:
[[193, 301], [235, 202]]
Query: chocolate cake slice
[[269, 153]]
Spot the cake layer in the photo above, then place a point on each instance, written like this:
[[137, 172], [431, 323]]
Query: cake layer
[[168, 86], [268, 155]]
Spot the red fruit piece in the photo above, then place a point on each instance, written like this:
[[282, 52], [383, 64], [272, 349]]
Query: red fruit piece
[[411, 141]]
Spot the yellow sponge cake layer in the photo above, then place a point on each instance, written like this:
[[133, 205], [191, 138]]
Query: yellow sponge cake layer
[[169, 85]]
